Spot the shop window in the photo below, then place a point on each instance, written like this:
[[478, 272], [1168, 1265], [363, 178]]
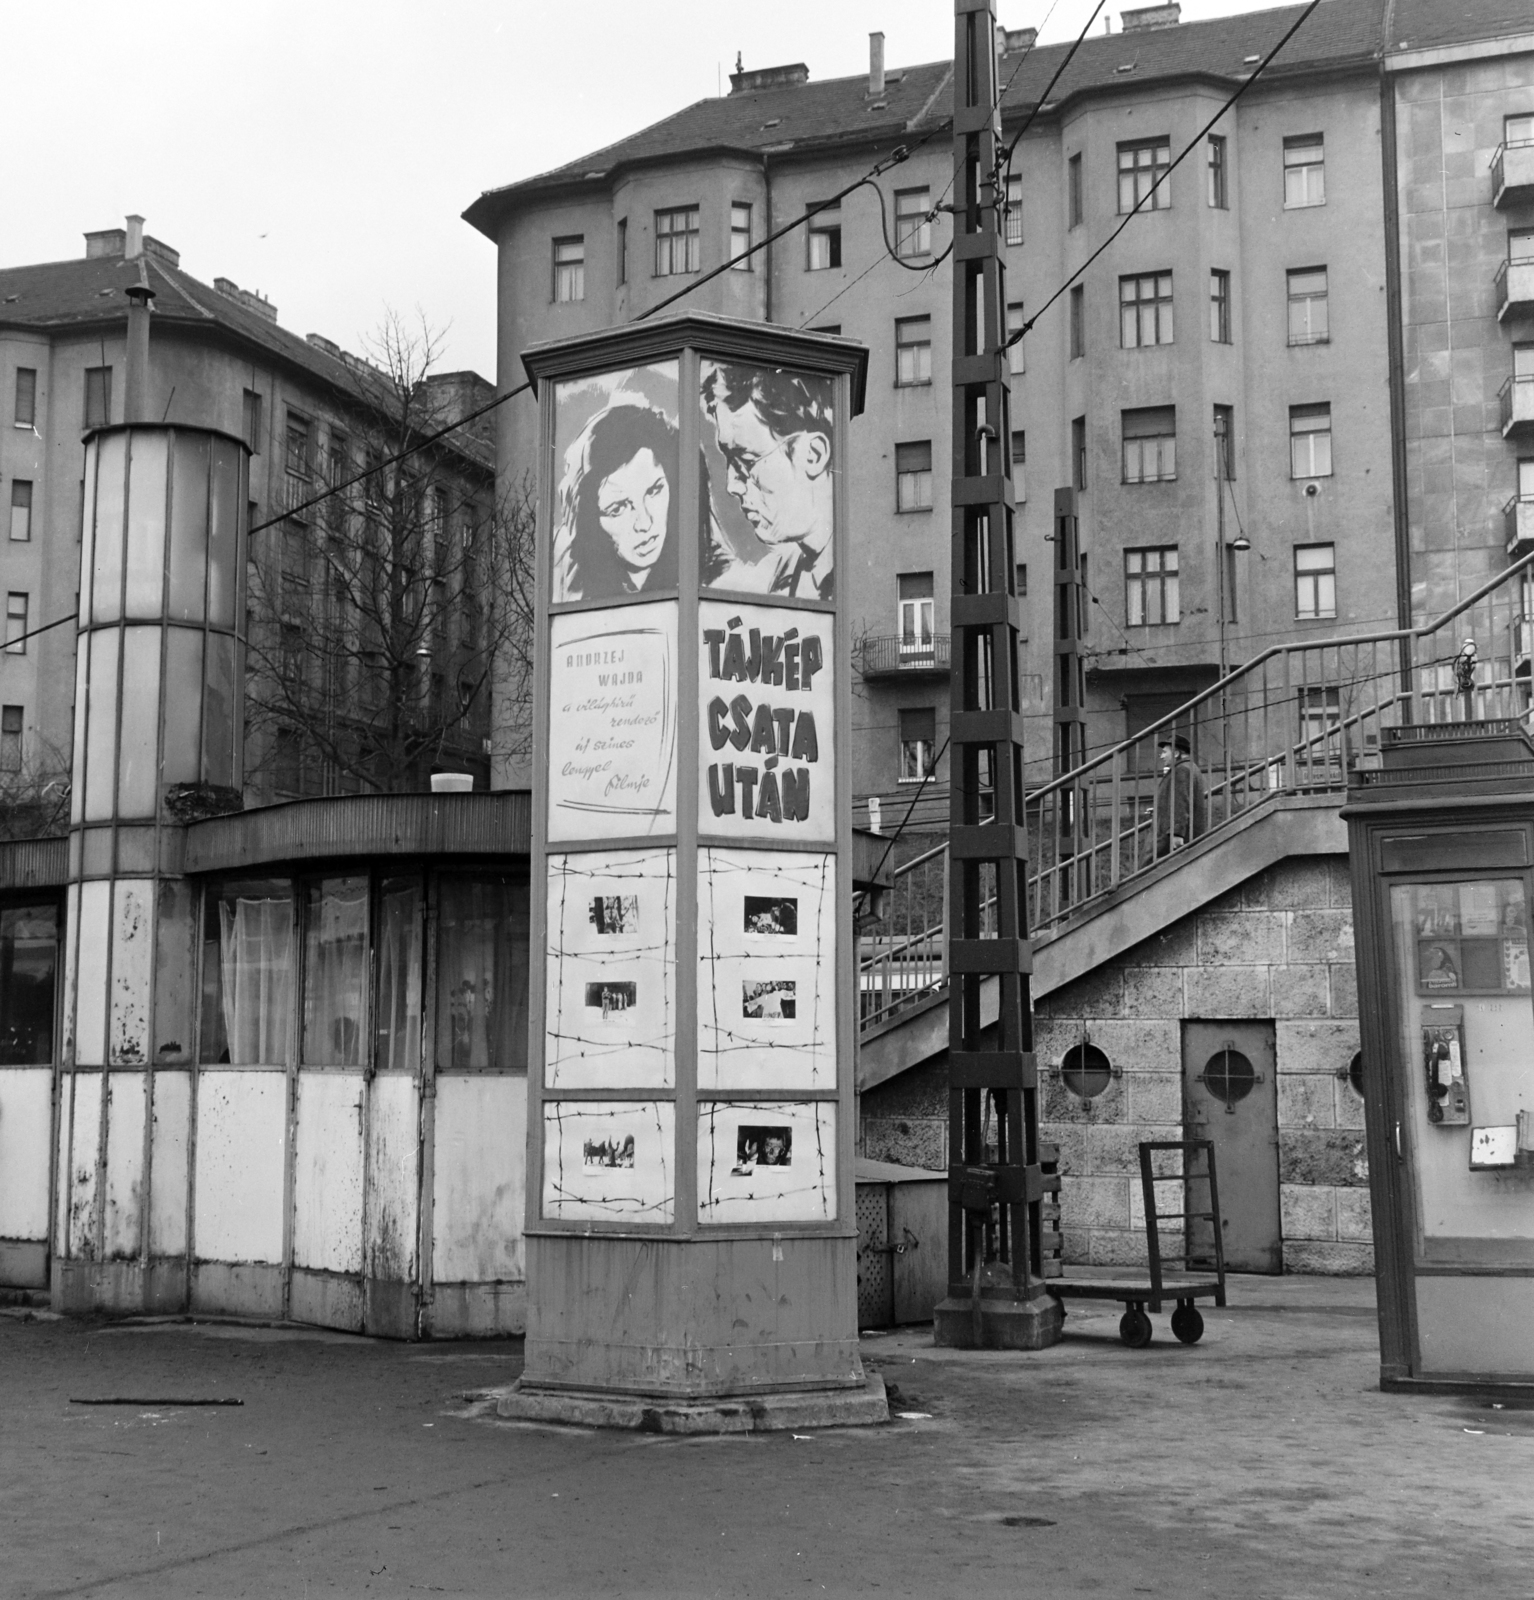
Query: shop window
[[29, 940], [482, 964], [247, 974], [401, 927], [335, 971]]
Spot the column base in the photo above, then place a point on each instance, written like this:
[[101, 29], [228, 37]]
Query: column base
[[807, 1408], [1007, 1322]]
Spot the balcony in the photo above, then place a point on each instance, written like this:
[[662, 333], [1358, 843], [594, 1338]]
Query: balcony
[[1519, 512], [1517, 399], [1512, 174], [898, 657], [1515, 288]]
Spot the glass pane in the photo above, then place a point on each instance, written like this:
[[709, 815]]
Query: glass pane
[[218, 711], [183, 688], [188, 528], [1466, 1033], [482, 959], [101, 730], [145, 595], [137, 754], [225, 506], [29, 938], [88, 528], [77, 788], [398, 1047], [107, 547], [247, 974], [335, 971]]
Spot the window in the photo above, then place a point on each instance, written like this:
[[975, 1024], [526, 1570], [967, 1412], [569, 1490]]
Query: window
[[1017, 360], [1225, 442], [1219, 194], [29, 942], [1079, 452], [98, 397], [1019, 465], [740, 235], [918, 739], [1219, 306], [1140, 165], [1083, 560], [26, 397], [1013, 231], [482, 967], [1145, 310], [676, 241], [15, 624], [1150, 444], [1518, 128], [824, 239], [1315, 581], [1150, 587], [1022, 580], [21, 510], [1078, 322], [250, 420], [1320, 723], [1308, 321], [1310, 441], [623, 251], [1304, 171], [1073, 190], [298, 453], [913, 476], [913, 351], [1526, 478], [11, 720], [913, 226], [916, 614], [1520, 247], [570, 268]]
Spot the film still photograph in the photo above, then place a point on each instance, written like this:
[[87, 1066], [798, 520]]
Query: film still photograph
[[762, 1147]]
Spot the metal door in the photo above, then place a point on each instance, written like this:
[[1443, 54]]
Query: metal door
[[1230, 1095]]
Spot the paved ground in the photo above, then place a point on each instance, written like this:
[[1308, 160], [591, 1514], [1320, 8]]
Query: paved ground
[[1262, 1463]]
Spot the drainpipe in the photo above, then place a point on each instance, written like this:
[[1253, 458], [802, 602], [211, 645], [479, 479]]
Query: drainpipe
[[1395, 347], [767, 250]]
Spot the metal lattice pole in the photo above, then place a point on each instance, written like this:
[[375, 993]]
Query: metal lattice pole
[[996, 1182]]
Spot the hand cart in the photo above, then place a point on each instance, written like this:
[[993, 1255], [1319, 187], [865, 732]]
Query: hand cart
[[1203, 1247]]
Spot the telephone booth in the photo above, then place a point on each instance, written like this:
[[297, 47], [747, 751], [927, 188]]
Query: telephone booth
[[1441, 839]]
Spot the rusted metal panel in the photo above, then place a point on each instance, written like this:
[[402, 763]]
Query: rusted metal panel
[[91, 973], [241, 1135], [125, 1097], [327, 1172], [393, 1177], [364, 825], [479, 1173], [132, 965], [26, 1109], [63, 1136], [169, 1146], [80, 1188], [34, 863]]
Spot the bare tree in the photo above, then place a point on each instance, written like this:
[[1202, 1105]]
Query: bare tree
[[34, 793], [384, 619]]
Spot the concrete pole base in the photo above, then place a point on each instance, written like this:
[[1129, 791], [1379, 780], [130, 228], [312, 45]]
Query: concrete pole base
[[805, 1408], [1006, 1322]]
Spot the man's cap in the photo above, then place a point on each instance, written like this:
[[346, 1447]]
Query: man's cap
[[1177, 742]]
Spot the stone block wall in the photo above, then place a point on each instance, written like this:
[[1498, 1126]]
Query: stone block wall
[[1279, 947]]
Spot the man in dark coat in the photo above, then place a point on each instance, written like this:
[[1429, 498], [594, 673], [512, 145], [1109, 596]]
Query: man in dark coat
[[1182, 806]]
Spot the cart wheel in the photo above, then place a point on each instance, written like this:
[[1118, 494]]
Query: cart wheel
[[1187, 1322], [1135, 1328]]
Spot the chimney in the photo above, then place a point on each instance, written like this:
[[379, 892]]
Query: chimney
[[789, 77], [1021, 39], [1165, 16], [134, 248], [876, 63]]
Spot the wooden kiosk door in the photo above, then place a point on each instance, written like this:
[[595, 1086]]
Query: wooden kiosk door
[[1230, 1095]]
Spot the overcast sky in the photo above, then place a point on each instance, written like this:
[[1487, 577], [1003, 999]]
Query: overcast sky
[[322, 153]]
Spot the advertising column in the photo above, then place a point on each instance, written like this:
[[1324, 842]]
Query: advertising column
[[690, 1221]]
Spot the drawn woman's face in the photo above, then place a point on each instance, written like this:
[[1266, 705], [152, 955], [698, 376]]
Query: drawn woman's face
[[632, 506]]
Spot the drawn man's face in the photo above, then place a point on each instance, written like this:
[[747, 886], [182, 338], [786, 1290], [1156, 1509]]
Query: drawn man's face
[[782, 484], [633, 503]]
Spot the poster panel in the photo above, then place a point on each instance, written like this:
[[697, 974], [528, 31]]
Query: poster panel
[[608, 1161], [617, 502], [767, 1161], [612, 723], [767, 969], [610, 970], [767, 765], [770, 457]]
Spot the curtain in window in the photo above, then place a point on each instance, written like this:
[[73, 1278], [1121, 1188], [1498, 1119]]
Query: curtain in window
[[335, 971], [399, 976], [482, 959], [255, 965]]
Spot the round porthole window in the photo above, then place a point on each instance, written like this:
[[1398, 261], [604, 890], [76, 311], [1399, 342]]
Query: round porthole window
[[1229, 1076], [1085, 1071], [1356, 1073]]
